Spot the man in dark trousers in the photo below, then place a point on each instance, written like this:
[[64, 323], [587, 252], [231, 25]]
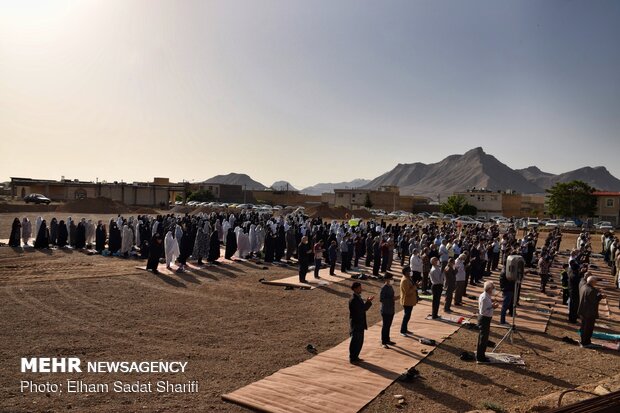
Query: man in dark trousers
[[574, 278], [589, 298], [332, 252], [357, 319], [485, 314], [304, 252]]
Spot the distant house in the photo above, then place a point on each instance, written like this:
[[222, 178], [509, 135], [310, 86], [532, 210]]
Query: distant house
[[608, 207]]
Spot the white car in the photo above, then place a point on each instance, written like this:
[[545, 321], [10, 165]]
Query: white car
[[465, 220], [604, 225], [532, 222], [552, 223], [569, 224]]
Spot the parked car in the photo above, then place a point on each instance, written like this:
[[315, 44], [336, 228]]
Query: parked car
[[532, 222], [552, 223], [569, 224], [604, 226], [465, 220], [37, 199]]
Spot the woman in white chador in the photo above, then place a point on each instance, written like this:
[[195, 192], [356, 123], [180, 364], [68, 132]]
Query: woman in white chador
[[243, 244], [171, 248], [90, 232], [127, 242], [253, 240], [26, 230]]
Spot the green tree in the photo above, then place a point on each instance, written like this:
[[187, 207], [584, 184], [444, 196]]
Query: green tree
[[571, 199], [367, 202], [202, 195], [457, 205]]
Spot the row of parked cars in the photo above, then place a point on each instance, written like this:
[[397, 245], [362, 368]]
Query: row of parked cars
[[259, 207]]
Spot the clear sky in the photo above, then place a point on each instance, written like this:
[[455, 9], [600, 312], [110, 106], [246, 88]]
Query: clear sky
[[307, 91]]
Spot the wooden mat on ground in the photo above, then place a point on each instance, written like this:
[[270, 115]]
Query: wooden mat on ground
[[329, 383], [326, 279]]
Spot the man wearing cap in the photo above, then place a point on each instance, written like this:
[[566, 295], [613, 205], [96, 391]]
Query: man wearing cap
[[357, 321], [589, 297]]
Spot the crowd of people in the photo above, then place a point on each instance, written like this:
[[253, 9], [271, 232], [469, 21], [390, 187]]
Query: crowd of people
[[439, 259]]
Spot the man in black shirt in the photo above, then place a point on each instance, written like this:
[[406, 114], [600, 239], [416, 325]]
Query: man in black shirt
[[357, 321]]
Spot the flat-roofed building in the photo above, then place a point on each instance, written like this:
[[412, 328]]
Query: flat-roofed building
[[608, 207]]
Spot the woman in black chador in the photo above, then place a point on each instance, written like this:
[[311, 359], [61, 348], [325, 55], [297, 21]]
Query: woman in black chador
[[114, 244], [43, 237], [80, 235], [63, 234], [16, 234], [72, 233], [269, 246], [231, 244], [214, 247], [156, 248], [280, 244], [53, 231], [100, 236]]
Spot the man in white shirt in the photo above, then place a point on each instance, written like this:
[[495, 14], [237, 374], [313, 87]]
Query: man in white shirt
[[444, 254], [485, 313], [415, 262], [436, 277]]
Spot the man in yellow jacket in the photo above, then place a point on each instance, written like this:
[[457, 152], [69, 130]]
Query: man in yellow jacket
[[408, 298]]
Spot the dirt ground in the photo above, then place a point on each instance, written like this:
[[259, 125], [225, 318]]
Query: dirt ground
[[232, 331]]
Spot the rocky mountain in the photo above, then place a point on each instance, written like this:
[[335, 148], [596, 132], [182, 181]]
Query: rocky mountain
[[318, 189], [236, 179], [474, 169], [282, 186], [598, 177]]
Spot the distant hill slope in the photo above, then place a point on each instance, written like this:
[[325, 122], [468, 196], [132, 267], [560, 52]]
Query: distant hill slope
[[236, 179], [598, 177], [455, 173], [282, 186], [318, 189]]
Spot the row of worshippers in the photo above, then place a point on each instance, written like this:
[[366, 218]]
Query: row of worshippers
[[58, 233]]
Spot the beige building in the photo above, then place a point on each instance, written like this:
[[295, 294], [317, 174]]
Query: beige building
[[488, 203], [507, 204], [608, 207], [387, 198], [156, 193]]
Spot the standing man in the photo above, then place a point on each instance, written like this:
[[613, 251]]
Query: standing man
[[450, 284], [436, 277], [344, 254], [485, 313], [415, 262], [357, 321], [318, 254], [387, 310], [303, 256], [408, 298], [332, 254], [574, 277], [589, 298], [461, 280], [508, 290], [444, 253]]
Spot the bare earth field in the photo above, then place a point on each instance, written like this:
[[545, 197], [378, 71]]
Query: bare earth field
[[232, 331]]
